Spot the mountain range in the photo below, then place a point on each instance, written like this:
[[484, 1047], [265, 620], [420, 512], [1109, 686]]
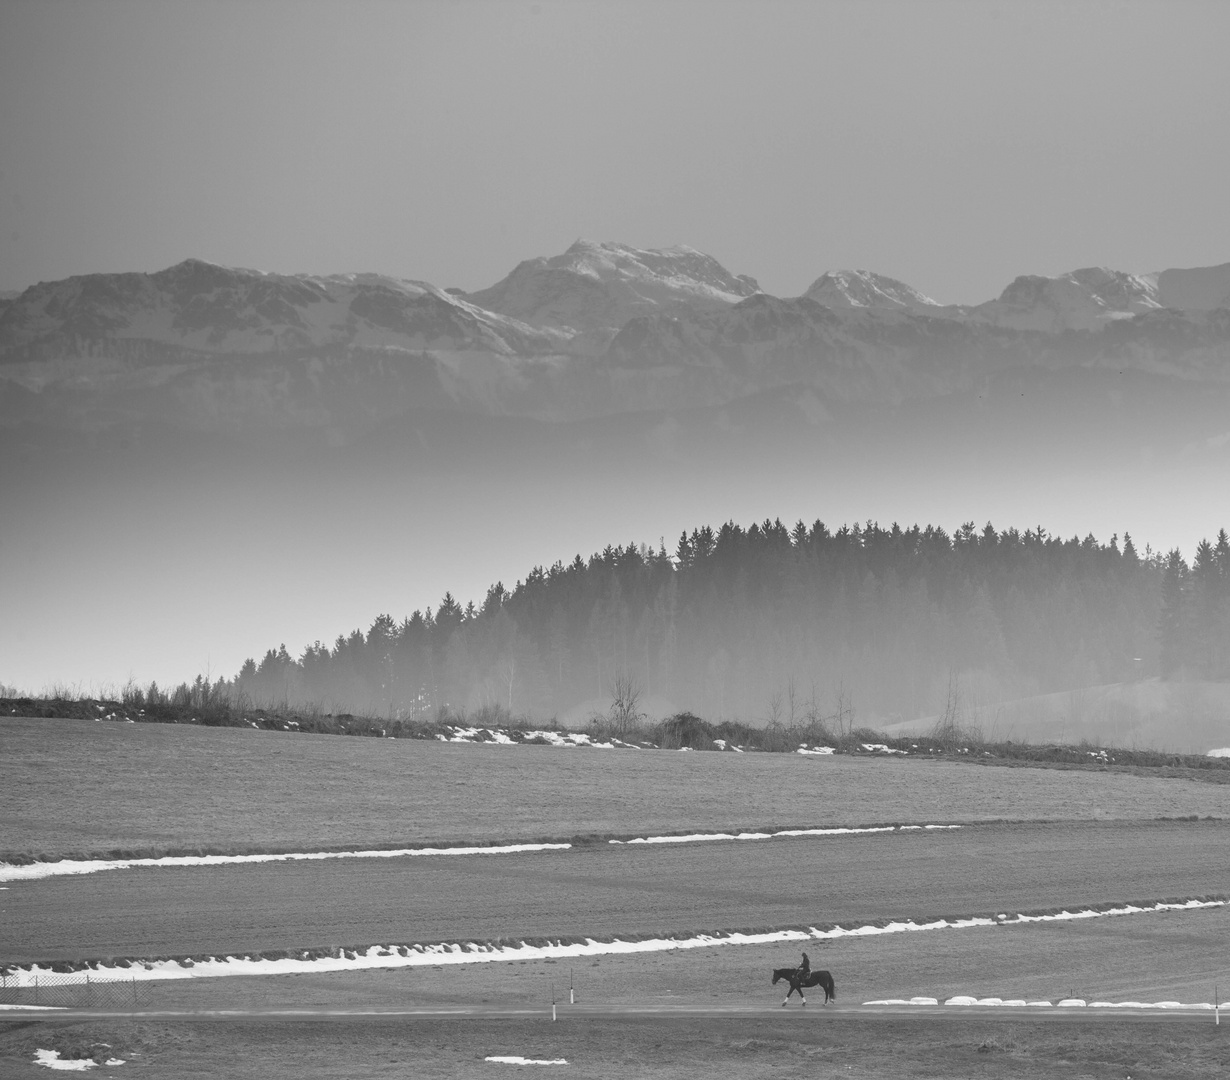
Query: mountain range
[[601, 330]]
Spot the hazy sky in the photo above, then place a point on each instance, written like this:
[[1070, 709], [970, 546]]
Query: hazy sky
[[950, 144]]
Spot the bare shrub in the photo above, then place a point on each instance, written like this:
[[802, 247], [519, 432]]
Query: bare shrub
[[956, 729], [623, 719], [686, 729]]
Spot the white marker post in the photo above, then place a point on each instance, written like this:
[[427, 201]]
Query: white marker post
[[1216, 1008], [572, 998], [553, 1001]]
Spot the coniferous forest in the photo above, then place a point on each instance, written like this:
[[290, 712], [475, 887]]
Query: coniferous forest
[[739, 623]]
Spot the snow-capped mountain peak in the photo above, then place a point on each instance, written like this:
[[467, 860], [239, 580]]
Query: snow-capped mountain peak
[[596, 287], [865, 289], [1084, 299]]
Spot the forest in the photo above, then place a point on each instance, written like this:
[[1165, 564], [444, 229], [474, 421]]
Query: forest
[[745, 623]]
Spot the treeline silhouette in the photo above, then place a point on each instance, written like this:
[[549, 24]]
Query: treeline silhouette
[[762, 623]]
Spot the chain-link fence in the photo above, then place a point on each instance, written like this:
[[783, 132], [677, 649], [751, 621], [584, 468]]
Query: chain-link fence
[[72, 990]]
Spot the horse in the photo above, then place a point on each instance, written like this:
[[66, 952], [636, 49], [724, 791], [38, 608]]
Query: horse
[[821, 979]]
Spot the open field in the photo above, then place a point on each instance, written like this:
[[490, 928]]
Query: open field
[[1168, 957], [1177, 956], [98, 787], [606, 890], [729, 1048], [80, 787]]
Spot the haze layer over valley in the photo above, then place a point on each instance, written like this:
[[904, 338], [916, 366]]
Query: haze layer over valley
[[226, 459]]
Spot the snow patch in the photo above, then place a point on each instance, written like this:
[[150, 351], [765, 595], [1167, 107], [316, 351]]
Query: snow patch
[[496, 737], [34, 871], [965, 1000], [500, 1059], [692, 838], [52, 1059]]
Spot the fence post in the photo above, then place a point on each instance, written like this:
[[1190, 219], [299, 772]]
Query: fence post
[[36, 997], [89, 990], [134, 992]]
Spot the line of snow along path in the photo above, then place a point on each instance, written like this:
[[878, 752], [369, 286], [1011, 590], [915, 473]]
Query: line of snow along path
[[387, 956], [38, 870], [1019, 1003]]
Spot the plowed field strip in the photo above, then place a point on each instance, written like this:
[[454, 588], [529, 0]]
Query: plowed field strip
[[612, 891]]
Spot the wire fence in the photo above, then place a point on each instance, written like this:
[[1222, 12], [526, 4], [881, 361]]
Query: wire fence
[[71, 991]]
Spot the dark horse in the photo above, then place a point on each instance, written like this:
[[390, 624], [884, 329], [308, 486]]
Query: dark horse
[[821, 979]]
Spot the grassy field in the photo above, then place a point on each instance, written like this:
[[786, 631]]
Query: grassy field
[[606, 891], [1146, 958], [954, 1047], [79, 787], [1163, 957]]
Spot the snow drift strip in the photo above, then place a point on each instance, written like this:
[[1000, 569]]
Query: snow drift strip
[[692, 838], [1021, 1003], [513, 1059], [471, 952], [38, 870]]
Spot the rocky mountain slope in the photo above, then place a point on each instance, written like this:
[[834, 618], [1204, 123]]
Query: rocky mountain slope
[[205, 308], [840, 289], [593, 289]]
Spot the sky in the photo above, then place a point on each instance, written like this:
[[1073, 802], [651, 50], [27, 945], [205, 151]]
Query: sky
[[953, 145]]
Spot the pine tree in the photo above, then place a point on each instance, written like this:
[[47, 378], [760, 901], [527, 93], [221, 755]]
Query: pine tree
[[1171, 628]]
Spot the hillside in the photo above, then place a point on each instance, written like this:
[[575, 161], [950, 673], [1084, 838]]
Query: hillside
[[768, 624]]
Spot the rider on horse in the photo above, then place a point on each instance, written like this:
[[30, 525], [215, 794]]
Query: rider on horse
[[804, 969]]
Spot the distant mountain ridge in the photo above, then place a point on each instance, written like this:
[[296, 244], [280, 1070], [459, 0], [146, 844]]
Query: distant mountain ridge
[[599, 330], [201, 306]]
